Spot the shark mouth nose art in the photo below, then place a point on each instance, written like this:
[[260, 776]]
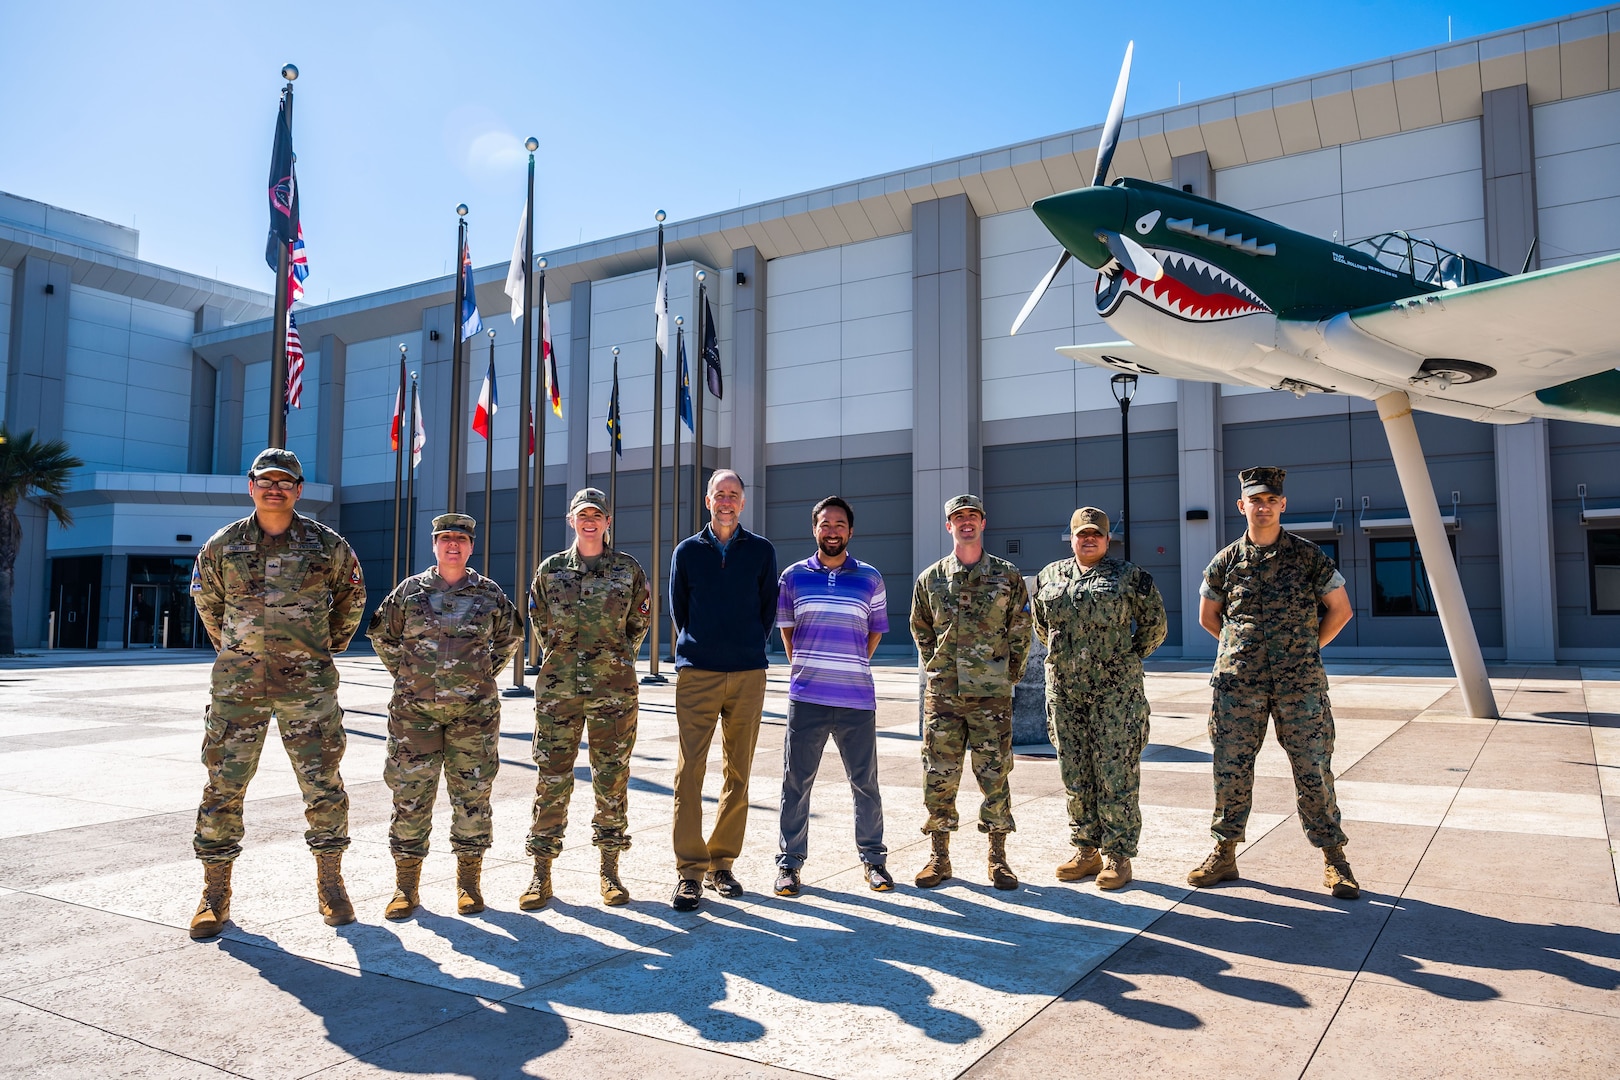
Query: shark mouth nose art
[[1190, 289]]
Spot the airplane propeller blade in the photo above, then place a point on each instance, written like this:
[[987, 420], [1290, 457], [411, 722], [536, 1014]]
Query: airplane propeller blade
[[1131, 255], [1040, 291], [1116, 120]]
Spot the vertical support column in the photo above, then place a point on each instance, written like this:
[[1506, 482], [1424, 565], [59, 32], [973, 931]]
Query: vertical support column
[[748, 404], [1191, 173], [200, 438], [1395, 410], [230, 376], [1525, 542], [434, 373], [578, 400], [329, 420], [34, 384], [1510, 177], [946, 451], [1198, 454]]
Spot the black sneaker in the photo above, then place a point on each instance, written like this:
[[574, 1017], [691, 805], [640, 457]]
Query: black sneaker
[[687, 895], [787, 881], [878, 876], [724, 883]]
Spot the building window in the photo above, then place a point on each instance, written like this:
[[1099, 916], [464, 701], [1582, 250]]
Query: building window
[[1400, 585], [1603, 550], [1331, 549]]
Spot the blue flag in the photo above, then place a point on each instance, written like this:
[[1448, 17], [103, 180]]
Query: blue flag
[[686, 378], [471, 324], [613, 418]]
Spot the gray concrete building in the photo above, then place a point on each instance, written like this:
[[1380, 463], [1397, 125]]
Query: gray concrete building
[[864, 340]]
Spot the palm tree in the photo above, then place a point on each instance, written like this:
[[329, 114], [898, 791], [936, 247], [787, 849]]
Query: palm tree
[[28, 469]]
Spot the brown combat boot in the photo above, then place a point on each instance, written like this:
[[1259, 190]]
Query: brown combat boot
[[1116, 874], [1086, 862], [1001, 875], [407, 877], [469, 897], [614, 893], [330, 893], [1220, 866], [939, 863], [215, 907], [539, 890], [1336, 874]]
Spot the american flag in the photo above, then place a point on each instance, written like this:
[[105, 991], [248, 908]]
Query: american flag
[[295, 364], [298, 262]]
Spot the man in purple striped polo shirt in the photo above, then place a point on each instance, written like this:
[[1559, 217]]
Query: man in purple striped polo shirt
[[832, 611]]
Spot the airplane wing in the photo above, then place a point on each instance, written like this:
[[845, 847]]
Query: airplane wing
[[1125, 356], [1512, 336]]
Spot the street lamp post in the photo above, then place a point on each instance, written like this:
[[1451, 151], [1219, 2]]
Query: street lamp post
[[1124, 387]]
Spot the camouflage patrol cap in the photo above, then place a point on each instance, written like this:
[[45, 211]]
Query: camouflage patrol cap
[[461, 523], [276, 459], [588, 497], [1088, 519], [1262, 479], [964, 502]]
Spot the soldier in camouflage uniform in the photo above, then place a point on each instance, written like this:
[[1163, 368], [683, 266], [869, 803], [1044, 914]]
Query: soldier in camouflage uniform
[[970, 616], [444, 635], [278, 594], [590, 606], [1274, 600], [1098, 617]]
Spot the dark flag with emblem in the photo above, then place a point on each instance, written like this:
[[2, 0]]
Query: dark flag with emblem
[[613, 417], [686, 377], [283, 192], [711, 352]]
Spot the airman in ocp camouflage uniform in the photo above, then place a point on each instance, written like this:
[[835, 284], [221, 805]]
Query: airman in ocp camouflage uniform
[[1274, 600], [971, 620], [1099, 618], [444, 635], [278, 594], [591, 608]]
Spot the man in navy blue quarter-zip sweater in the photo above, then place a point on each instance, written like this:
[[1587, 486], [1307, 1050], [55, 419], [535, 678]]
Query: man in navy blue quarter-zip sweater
[[722, 596]]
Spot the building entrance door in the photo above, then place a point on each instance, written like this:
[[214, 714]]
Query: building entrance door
[[144, 623], [75, 591]]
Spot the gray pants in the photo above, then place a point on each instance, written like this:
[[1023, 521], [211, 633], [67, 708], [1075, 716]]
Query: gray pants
[[854, 732]]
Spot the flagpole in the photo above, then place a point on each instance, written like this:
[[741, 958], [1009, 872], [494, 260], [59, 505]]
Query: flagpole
[[521, 573], [697, 408], [613, 455], [542, 405], [675, 472], [653, 574], [401, 438], [489, 455], [410, 486], [278, 334], [458, 373]]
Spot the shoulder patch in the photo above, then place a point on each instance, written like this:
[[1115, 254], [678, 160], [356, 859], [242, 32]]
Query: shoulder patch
[[1144, 582]]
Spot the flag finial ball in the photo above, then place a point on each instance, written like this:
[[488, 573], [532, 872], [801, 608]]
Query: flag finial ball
[[615, 350], [680, 320], [540, 261], [702, 276], [290, 72], [492, 335], [531, 144], [402, 348], [461, 209], [659, 217]]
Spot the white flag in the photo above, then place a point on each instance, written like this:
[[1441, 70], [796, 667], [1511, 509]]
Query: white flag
[[661, 299], [418, 437], [515, 274]]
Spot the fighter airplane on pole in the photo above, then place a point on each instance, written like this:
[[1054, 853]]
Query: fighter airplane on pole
[[1203, 291]]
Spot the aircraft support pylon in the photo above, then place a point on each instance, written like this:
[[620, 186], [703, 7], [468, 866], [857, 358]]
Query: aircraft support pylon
[[1395, 410]]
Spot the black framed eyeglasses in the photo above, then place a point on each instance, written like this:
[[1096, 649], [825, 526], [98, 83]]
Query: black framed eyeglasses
[[264, 483]]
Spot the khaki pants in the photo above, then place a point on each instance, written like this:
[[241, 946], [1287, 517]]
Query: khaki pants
[[734, 700]]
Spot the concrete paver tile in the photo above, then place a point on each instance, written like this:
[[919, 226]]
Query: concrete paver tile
[[43, 939], [1548, 813], [43, 1046], [1556, 867]]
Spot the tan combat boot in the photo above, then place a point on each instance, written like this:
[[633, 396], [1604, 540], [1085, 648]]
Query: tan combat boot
[[1001, 875], [613, 891], [330, 893], [1336, 874], [1220, 866], [939, 863], [469, 897], [539, 890], [215, 907], [407, 877], [1116, 873], [1086, 862]]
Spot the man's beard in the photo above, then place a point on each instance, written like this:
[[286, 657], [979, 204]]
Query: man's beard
[[830, 548]]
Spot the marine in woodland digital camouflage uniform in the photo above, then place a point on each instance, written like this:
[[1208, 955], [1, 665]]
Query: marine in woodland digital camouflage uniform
[[1098, 623], [590, 622], [444, 644], [277, 608], [972, 627], [1269, 664]]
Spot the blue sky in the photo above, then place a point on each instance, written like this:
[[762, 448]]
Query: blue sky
[[160, 115]]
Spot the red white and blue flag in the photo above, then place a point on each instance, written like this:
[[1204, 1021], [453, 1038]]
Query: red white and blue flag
[[487, 404], [299, 262], [295, 365], [471, 324], [548, 357]]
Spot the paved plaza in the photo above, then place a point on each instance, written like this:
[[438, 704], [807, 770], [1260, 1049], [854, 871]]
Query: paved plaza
[[1486, 942]]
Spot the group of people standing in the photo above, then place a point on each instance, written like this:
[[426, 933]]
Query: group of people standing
[[280, 594]]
